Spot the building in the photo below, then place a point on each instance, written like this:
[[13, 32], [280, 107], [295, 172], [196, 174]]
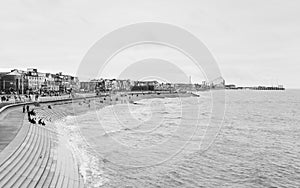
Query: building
[[12, 82], [144, 85], [122, 85], [65, 83], [184, 87], [88, 86], [218, 83], [69, 83], [32, 79], [230, 86], [49, 83]]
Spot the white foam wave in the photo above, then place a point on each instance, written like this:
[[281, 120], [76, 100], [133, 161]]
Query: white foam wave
[[90, 166]]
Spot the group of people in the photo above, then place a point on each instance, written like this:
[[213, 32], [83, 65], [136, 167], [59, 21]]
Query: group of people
[[5, 98], [32, 116], [32, 97], [19, 98]]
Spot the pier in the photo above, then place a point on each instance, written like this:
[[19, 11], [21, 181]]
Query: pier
[[280, 87]]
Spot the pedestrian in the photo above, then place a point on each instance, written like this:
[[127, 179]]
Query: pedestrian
[[27, 108], [41, 122], [32, 112], [29, 118], [33, 121], [24, 108]]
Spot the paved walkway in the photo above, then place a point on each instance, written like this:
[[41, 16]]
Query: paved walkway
[[11, 121]]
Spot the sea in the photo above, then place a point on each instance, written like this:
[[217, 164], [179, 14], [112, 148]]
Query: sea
[[159, 142]]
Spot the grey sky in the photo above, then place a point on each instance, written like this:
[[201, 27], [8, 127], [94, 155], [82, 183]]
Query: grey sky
[[254, 42], [147, 70]]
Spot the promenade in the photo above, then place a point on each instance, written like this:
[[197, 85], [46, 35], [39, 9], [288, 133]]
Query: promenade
[[11, 121], [32, 155]]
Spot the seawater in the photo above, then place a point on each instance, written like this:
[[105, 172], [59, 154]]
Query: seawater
[[156, 142]]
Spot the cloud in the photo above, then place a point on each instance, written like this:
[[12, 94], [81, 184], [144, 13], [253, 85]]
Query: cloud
[[248, 34]]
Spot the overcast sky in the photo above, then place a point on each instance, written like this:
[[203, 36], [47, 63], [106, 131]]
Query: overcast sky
[[255, 42]]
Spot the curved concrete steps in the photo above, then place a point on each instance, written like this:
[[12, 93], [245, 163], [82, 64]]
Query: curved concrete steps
[[68, 175], [39, 161], [51, 115]]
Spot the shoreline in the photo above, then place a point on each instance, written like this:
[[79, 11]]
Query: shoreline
[[70, 136], [55, 146]]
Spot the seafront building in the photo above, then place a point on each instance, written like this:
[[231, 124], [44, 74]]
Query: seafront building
[[32, 81], [106, 85], [11, 81]]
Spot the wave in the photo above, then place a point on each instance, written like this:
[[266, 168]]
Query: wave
[[109, 133], [86, 158]]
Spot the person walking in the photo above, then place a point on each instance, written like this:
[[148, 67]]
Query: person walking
[[27, 108], [24, 108], [33, 120]]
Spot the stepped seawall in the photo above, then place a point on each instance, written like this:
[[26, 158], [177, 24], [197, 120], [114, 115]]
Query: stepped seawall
[[39, 156]]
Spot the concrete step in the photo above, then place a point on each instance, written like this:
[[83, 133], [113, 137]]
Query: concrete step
[[76, 175], [19, 158], [67, 172], [49, 164], [11, 121], [53, 168], [62, 161], [7, 159], [42, 158], [28, 164], [58, 168], [13, 144], [42, 163], [71, 171], [67, 180]]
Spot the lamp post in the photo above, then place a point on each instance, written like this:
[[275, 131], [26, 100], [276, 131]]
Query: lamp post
[[22, 84]]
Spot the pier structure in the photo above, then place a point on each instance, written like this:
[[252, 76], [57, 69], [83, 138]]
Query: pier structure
[[280, 87]]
